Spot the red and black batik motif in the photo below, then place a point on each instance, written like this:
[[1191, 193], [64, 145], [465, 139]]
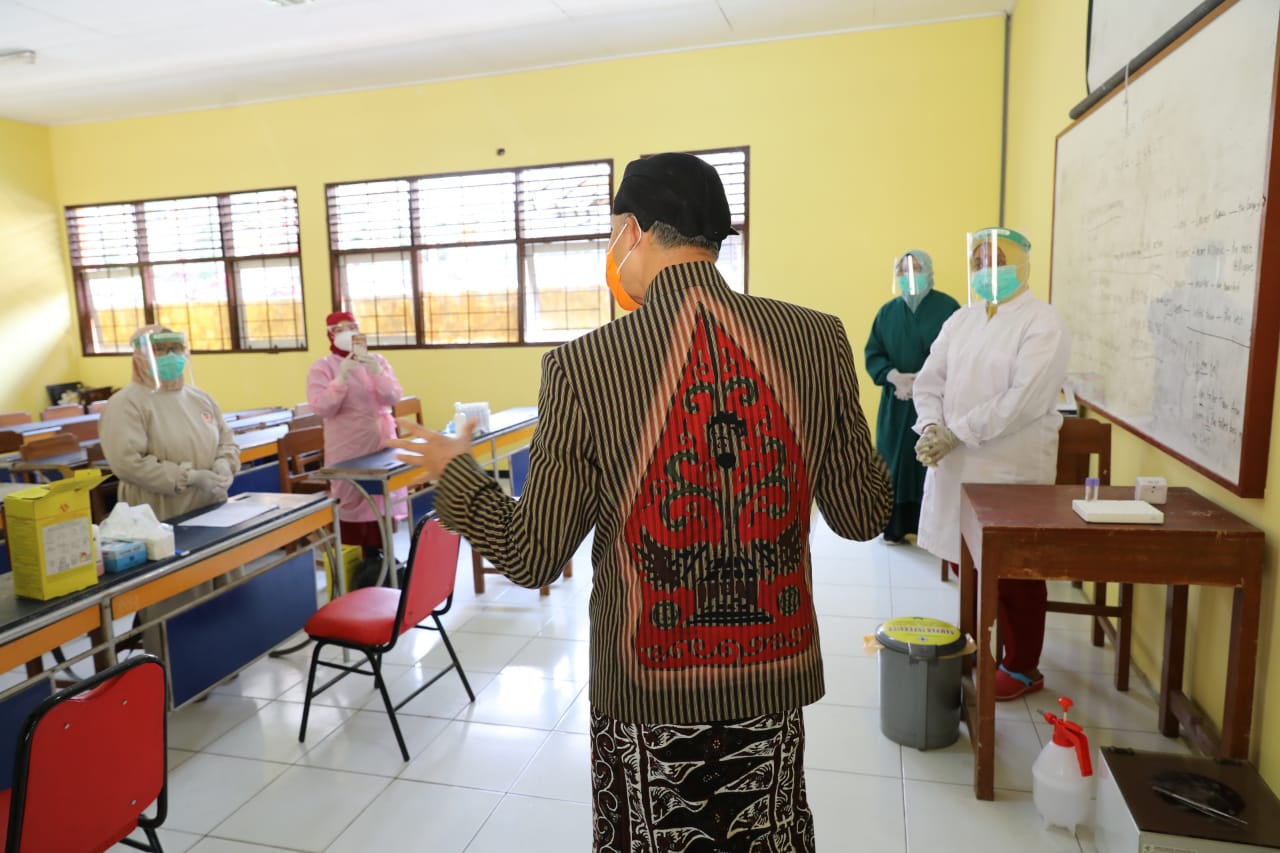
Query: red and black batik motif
[[718, 530]]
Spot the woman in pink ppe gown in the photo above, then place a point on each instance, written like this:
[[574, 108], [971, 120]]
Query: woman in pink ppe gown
[[353, 394]]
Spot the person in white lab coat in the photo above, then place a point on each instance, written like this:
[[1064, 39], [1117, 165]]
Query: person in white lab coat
[[986, 413]]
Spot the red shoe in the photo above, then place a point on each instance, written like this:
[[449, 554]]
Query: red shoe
[[1011, 685]]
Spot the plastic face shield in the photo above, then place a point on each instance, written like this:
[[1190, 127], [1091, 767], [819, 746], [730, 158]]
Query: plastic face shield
[[343, 326], [909, 268], [993, 248], [163, 359]]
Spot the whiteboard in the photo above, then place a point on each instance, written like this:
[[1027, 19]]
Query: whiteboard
[[1159, 224], [1119, 30]]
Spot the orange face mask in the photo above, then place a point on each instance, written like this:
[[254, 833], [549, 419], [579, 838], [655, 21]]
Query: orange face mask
[[613, 275]]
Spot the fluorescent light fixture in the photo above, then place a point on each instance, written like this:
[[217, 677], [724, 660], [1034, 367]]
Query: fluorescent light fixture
[[27, 57], [289, 2]]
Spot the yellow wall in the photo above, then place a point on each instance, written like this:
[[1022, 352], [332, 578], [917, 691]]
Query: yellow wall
[[1047, 73], [855, 156], [37, 323]]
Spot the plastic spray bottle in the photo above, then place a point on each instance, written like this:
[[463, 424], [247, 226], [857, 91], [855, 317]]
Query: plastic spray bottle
[[1062, 776]]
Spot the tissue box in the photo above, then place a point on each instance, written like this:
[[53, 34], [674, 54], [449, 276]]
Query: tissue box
[[479, 411], [50, 538], [1153, 490], [118, 555], [160, 545]]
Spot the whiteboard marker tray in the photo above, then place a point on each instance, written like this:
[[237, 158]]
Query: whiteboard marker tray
[[1118, 512]]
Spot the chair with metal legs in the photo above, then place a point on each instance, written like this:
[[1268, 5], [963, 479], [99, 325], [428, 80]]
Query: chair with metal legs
[[370, 620], [90, 761]]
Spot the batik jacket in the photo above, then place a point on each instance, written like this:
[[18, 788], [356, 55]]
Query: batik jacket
[[695, 435]]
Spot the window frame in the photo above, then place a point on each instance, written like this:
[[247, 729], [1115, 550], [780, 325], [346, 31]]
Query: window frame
[[145, 269], [413, 249], [745, 228]]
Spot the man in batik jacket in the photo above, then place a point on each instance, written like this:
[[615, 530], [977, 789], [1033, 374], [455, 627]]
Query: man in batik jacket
[[694, 435]]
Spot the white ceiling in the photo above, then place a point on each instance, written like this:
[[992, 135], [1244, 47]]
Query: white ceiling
[[105, 59]]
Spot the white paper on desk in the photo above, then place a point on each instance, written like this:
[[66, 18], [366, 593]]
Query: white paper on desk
[[228, 515]]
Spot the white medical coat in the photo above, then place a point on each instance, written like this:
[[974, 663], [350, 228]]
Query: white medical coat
[[994, 382]]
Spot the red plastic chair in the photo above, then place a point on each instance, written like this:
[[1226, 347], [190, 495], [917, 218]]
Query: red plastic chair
[[90, 761], [370, 620]]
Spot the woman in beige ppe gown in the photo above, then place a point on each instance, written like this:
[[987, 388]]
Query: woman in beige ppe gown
[[167, 443], [165, 440]]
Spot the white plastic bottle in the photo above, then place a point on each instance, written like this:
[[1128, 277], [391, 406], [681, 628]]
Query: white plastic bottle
[[459, 419], [1062, 776]]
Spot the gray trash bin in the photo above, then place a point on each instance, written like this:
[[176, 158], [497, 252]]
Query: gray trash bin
[[920, 681]]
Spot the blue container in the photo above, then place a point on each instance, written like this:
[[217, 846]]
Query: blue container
[[119, 555]]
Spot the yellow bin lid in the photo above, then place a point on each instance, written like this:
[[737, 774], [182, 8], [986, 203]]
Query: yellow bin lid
[[920, 636]]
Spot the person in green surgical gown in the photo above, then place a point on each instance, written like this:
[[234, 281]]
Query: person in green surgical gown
[[900, 338]]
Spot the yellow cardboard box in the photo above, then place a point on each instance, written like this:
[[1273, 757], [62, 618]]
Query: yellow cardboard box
[[352, 557], [51, 544]]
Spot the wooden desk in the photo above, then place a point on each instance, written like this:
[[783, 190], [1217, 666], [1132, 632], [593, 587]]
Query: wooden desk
[[250, 413], [259, 443], [29, 628], [381, 473], [1031, 532], [267, 419], [220, 631], [84, 426]]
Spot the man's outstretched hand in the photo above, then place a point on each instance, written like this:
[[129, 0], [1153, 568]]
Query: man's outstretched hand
[[428, 450]]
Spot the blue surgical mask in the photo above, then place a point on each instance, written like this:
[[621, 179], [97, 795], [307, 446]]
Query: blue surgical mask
[[1006, 283], [170, 366]]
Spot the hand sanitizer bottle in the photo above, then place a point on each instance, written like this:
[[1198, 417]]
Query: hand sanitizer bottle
[[459, 419], [1062, 777]]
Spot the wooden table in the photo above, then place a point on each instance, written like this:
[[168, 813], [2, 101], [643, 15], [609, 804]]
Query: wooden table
[[267, 564], [258, 444], [1031, 532], [266, 419], [29, 627], [84, 426], [381, 473]]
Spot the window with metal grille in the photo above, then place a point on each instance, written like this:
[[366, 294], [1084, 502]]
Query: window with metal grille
[[224, 269], [731, 165], [480, 258]]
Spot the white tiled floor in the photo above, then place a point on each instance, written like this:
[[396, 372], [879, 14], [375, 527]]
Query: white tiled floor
[[509, 772]]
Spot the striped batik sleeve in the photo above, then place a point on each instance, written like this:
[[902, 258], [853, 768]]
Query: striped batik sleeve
[[531, 539], [854, 491]]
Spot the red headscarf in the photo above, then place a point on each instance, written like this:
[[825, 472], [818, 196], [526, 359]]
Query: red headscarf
[[332, 320]]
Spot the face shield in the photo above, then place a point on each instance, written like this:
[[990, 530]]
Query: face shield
[[913, 277], [161, 360], [342, 335], [999, 264]]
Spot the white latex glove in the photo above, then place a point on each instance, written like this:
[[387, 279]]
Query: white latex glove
[[344, 369], [204, 479], [222, 468], [369, 363], [935, 442], [902, 383]]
